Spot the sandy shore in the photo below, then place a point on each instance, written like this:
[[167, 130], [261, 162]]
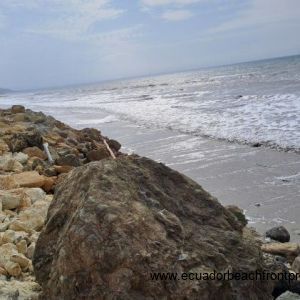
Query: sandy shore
[[264, 182]]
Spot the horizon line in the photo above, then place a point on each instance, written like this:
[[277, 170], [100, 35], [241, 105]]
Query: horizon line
[[143, 76]]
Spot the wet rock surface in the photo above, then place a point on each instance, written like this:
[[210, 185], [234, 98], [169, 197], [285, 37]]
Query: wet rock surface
[[114, 222]]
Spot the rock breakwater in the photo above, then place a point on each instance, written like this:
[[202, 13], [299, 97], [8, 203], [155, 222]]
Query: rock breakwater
[[27, 183]]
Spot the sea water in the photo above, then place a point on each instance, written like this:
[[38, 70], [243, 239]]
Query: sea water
[[255, 102]]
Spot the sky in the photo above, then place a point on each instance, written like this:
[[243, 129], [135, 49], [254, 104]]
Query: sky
[[47, 43]]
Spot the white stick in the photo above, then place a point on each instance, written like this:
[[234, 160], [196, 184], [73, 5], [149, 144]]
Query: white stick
[[109, 150], [51, 161]]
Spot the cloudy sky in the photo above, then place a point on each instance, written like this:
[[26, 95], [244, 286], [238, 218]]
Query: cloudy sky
[[46, 43]]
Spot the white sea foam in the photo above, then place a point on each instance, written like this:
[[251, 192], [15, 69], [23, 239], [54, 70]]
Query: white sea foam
[[107, 119], [254, 103]]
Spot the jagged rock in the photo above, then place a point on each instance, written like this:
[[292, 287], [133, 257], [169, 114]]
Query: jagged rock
[[20, 259], [30, 250], [3, 147], [50, 172], [68, 160], [19, 141], [91, 134], [15, 109], [9, 200], [4, 159], [7, 182], [49, 184], [21, 157], [3, 227], [22, 246], [6, 251], [35, 152], [35, 194], [52, 138], [98, 154], [17, 225], [13, 268], [34, 237], [12, 165], [238, 213], [111, 223], [29, 179], [63, 169], [8, 236], [37, 164], [113, 144], [32, 218], [278, 233]]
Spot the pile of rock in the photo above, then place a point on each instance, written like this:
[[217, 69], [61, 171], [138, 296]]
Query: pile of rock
[[284, 257], [27, 183]]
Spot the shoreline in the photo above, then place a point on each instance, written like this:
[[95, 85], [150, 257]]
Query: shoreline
[[263, 182], [233, 173]]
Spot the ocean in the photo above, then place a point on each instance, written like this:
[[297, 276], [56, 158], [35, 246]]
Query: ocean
[[253, 103], [233, 129]]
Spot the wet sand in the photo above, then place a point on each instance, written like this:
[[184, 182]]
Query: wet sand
[[263, 182]]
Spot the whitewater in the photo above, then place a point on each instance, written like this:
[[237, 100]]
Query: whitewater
[[255, 103]]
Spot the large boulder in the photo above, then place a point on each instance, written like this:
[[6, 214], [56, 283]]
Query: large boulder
[[113, 223]]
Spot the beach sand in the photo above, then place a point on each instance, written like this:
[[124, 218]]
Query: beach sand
[[263, 182]]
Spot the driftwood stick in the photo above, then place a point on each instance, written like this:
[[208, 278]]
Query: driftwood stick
[[109, 150], [51, 161]]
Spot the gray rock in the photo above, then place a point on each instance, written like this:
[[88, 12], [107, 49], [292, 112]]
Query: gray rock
[[100, 153], [238, 213], [19, 141], [115, 145], [10, 201], [68, 160], [289, 296], [21, 157], [278, 233]]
